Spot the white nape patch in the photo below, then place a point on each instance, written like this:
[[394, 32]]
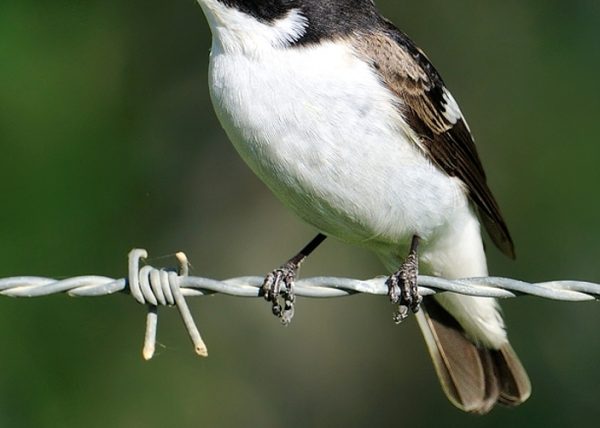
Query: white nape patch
[[237, 32]]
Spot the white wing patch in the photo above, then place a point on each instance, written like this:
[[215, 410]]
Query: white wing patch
[[452, 112]]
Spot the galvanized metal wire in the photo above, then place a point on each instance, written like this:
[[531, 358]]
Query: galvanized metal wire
[[156, 287]]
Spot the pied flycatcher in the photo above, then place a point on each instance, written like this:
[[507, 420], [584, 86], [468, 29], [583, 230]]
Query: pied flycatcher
[[351, 126]]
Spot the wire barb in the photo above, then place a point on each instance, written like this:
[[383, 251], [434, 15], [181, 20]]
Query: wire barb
[[154, 287], [168, 287]]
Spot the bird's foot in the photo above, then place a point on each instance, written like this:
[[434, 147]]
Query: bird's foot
[[403, 289], [278, 288]]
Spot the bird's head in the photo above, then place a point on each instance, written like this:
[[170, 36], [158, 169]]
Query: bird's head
[[266, 11], [256, 24]]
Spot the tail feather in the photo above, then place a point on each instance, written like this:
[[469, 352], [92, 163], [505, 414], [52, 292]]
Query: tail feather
[[516, 387], [473, 377]]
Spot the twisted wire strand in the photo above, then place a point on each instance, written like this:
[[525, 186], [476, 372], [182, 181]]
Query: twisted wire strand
[[156, 287]]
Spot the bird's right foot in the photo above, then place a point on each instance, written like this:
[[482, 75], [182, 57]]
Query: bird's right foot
[[402, 285]]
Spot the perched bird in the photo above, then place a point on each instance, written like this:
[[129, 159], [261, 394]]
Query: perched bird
[[350, 125]]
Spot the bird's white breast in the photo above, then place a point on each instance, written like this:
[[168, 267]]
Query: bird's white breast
[[320, 129]]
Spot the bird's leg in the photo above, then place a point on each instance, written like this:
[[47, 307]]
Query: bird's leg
[[278, 285], [402, 285]]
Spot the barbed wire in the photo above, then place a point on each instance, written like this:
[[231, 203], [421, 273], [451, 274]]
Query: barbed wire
[[156, 287]]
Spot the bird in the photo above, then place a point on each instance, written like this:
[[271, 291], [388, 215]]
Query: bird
[[349, 124]]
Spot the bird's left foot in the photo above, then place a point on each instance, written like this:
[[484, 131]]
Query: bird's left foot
[[278, 288], [402, 286]]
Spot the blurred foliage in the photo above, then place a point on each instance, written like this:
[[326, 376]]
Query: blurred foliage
[[109, 142]]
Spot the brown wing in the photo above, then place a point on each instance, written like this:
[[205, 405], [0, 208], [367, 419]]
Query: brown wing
[[433, 114]]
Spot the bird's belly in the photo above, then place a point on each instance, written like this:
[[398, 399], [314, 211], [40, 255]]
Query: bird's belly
[[325, 136]]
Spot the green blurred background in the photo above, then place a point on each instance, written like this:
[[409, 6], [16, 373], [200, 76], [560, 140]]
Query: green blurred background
[[109, 142]]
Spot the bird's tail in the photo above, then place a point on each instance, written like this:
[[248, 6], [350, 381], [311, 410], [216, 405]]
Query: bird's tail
[[474, 376], [465, 335]]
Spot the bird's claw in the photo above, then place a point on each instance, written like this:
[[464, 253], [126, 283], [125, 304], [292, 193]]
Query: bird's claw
[[403, 289], [278, 288]]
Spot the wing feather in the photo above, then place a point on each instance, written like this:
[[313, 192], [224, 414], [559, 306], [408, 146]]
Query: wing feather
[[433, 114]]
